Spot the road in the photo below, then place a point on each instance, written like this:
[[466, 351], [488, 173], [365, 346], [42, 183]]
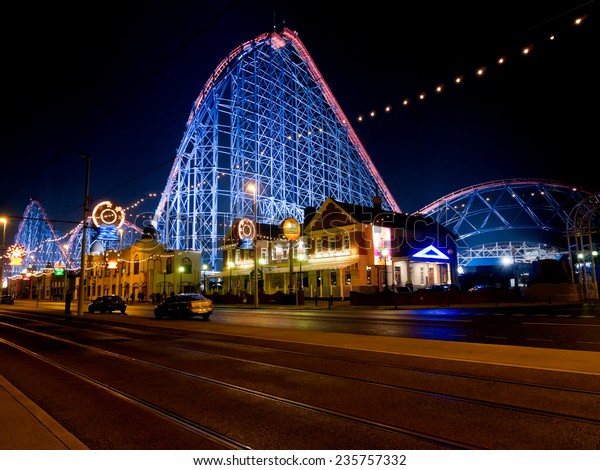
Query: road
[[134, 382], [547, 327], [573, 327]]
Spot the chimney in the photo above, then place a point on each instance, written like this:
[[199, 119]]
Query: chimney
[[376, 204]]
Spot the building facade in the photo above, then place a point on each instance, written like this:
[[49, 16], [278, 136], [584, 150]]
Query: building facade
[[343, 247]]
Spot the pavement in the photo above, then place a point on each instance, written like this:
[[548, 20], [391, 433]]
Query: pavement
[[25, 426]]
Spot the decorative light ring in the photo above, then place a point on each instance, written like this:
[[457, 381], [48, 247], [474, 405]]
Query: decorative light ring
[[108, 213], [245, 230]]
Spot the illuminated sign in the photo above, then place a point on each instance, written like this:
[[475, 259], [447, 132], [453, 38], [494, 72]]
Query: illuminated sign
[[112, 259], [59, 268], [16, 254], [291, 229], [382, 238], [107, 218], [431, 252], [108, 213], [244, 232]]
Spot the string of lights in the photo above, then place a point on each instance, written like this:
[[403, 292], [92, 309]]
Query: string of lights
[[462, 79]]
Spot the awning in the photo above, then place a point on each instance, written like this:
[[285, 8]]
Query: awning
[[316, 264], [313, 264]]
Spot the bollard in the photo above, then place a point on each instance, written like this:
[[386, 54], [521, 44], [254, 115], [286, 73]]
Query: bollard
[[68, 303], [330, 300]]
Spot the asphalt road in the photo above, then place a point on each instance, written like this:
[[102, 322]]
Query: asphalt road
[[137, 383]]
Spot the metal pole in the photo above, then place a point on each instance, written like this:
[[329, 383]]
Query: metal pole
[[255, 251], [3, 220], [120, 265], [83, 234], [291, 256]]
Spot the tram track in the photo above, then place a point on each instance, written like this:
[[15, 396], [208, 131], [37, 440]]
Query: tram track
[[222, 439], [164, 341], [287, 348]]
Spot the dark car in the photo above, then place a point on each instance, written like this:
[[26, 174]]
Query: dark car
[[108, 303], [8, 299], [185, 306], [482, 287]]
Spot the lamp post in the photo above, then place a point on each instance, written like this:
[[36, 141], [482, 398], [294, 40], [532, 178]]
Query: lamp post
[[262, 262], [3, 220], [164, 283], [120, 264], [252, 187], [230, 265], [300, 259], [83, 234], [67, 262], [48, 270], [181, 269], [204, 268], [385, 252]]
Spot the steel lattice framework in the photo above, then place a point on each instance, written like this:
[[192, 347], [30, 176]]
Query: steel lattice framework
[[521, 217], [44, 246], [40, 240], [267, 116]]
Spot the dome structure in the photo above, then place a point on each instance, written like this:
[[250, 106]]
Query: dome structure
[[520, 219]]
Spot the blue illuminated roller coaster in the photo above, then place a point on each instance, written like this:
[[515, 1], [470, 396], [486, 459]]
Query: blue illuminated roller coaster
[[44, 246], [266, 116]]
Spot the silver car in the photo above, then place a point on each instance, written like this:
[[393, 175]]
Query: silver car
[[185, 306]]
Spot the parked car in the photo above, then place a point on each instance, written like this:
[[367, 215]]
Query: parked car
[[108, 303], [8, 299], [185, 306], [482, 287]]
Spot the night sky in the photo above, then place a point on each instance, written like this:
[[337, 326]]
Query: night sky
[[117, 80]]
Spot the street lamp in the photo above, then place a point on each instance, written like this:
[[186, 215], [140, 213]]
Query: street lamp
[[262, 263], [230, 265], [385, 252], [120, 264], [253, 189], [181, 269], [3, 220], [164, 283], [48, 270], [301, 258], [204, 268], [86, 209]]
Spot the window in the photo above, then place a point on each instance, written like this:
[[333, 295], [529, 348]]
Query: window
[[348, 278], [320, 245], [333, 278], [186, 263], [346, 242], [136, 264], [332, 244], [169, 265]]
